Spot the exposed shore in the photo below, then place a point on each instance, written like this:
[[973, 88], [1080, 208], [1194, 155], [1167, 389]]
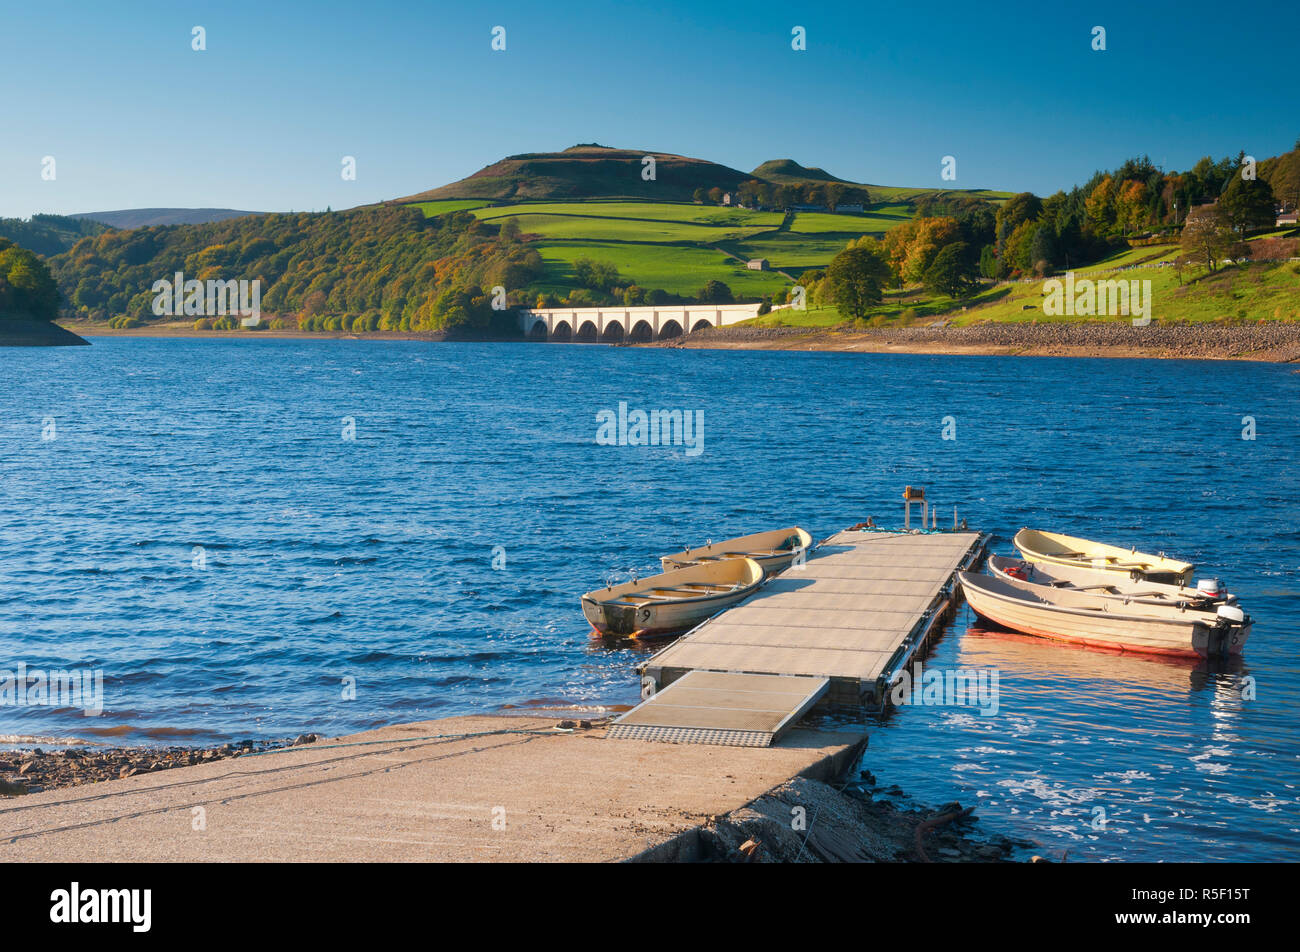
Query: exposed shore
[[435, 791], [1277, 342], [35, 770]]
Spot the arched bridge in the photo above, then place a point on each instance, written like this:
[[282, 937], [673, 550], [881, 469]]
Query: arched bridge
[[612, 325]]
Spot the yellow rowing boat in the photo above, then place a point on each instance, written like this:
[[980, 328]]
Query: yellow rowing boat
[[1057, 549], [773, 550]]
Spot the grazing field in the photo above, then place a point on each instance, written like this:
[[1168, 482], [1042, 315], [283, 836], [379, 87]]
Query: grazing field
[[678, 269], [875, 220], [639, 211], [448, 205], [583, 228], [674, 245], [886, 193], [787, 251]]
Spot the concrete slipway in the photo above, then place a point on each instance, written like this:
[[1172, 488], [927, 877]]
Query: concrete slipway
[[450, 790]]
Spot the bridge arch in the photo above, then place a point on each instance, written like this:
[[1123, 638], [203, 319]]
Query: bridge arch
[[701, 323], [641, 331], [613, 333], [587, 333], [537, 331], [562, 332], [669, 329]]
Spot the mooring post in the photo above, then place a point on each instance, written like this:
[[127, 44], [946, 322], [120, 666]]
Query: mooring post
[[913, 494]]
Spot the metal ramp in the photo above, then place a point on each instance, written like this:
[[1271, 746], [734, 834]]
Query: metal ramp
[[722, 707]]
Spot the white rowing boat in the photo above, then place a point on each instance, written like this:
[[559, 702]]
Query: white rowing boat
[[1207, 593], [1052, 547], [773, 550], [1087, 619], [673, 602]]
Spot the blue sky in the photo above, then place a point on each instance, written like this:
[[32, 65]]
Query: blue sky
[[261, 119]]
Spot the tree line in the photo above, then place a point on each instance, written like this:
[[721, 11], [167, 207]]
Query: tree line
[[955, 239], [373, 268], [27, 289], [769, 195]]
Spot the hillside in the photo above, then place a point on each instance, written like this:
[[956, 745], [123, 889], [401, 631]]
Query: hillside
[[48, 234], [790, 172], [146, 217], [586, 171], [366, 269], [673, 234]]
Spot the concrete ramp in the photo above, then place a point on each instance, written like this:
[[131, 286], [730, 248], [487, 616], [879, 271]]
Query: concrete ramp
[[724, 708]]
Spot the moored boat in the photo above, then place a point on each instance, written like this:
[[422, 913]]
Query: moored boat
[[1057, 549], [1070, 615], [1207, 593], [773, 550], [672, 602]]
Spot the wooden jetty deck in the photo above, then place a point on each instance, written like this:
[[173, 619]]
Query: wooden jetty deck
[[832, 631]]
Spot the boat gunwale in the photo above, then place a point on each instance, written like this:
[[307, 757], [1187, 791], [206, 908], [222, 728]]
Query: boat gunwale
[[1198, 616], [1152, 562]]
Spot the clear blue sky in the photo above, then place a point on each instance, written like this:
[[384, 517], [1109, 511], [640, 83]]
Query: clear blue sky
[[262, 118]]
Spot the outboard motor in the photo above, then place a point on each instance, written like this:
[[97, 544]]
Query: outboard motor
[[1230, 620], [1211, 588]]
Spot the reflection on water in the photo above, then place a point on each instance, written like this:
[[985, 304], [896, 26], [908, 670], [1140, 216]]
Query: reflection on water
[[1097, 753]]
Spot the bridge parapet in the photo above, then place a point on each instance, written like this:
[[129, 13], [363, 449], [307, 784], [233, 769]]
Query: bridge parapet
[[615, 324]]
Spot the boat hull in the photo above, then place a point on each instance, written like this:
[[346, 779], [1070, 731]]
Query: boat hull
[[672, 602], [1186, 634], [652, 621], [1100, 582], [1056, 549], [774, 551]]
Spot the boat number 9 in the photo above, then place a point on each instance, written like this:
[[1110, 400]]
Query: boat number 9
[[645, 614]]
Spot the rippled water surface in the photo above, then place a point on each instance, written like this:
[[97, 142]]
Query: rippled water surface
[[199, 528]]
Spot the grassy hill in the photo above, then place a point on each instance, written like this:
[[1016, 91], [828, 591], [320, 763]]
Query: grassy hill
[[1237, 293], [591, 202], [583, 172], [678, 246], [790, 172]]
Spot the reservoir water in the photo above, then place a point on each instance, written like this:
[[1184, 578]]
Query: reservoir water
[[255, 538]]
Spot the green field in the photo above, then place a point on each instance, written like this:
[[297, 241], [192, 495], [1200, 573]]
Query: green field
[[674, 245], [639, 211], [448, 205], [674, 268], [666, 245], [885, 193], [584, 228], [875, 220], [787, 251]]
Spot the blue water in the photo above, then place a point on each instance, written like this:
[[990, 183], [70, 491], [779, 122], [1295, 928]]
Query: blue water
[[200, 529]]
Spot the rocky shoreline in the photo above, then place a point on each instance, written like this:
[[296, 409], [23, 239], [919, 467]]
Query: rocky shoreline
[[36, 770], [1276, 341], [856, 823]]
